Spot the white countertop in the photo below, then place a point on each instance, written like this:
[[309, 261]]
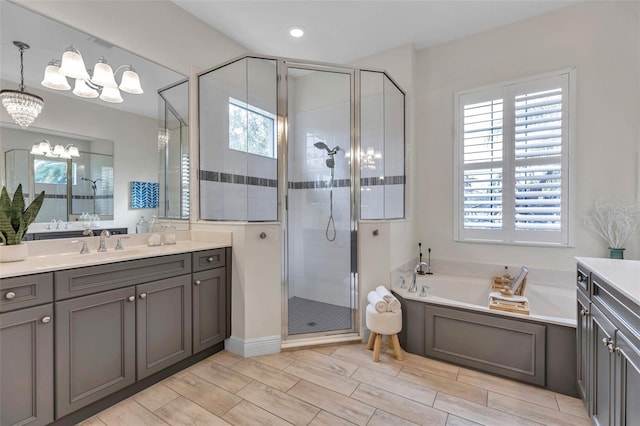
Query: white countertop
[[622, 274], [54, 255]]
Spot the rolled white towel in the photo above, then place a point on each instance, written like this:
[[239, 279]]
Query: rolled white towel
[[513, 298], [394, 304], [377, 302]]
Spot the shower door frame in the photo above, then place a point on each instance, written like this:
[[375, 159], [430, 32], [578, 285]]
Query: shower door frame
[[283, 66]]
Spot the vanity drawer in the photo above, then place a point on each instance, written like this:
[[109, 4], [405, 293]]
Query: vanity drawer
[[93, 279], [208, 259], [25, 291]]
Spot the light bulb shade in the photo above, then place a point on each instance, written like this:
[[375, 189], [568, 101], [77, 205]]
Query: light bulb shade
[[111, 95], [53, 79], [45, 147], [131, 82], [22, 106], [35, 149], [65, 155], [58, 150], [73, 151], [81, 89], [103, 74], [73, 65]]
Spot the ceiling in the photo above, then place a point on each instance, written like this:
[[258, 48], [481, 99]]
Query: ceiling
[[343, 31]]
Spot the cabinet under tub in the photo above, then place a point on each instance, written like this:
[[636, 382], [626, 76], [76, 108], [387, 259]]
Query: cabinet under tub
[[542, 354]]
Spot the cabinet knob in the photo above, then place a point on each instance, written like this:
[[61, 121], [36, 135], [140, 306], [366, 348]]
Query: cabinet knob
[[580, 278], [9, 295], [606, 341], [210, 259], [197, 282], [611, 348], [143, 296], [584, 312], [45, 319], [131, 298]]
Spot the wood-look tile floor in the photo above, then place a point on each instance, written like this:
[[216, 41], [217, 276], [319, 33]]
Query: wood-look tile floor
[[339, 385]]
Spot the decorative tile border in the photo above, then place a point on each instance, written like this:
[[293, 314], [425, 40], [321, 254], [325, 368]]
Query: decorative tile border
[[210, 176], [73, 197]]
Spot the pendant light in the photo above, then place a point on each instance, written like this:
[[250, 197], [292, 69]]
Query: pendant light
[[22, 106]]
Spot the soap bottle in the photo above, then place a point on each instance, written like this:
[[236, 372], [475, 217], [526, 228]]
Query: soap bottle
[[154, 225], [141, 226], [506, 277]]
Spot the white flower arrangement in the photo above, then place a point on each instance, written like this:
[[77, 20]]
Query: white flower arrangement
[[614, 221]]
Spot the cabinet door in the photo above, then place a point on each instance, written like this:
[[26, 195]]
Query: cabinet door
[[209, 308], [163, 323], [602, 364], [95, 347], [26, 366], [582, 343], [627, 389]]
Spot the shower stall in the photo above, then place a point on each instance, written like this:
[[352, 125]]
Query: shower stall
[[316, 147]]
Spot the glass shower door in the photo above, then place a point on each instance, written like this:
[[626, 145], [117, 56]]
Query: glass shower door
[[319, 262]]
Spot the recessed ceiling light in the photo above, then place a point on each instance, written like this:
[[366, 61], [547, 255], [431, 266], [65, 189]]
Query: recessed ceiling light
[[296, 32]]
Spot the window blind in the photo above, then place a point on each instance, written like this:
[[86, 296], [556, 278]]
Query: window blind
[[512, 151]]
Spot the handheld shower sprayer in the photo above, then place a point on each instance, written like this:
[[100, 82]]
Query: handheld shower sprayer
[[330, 232]]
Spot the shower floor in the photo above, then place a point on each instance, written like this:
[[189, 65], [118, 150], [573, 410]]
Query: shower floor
[[310, 316]]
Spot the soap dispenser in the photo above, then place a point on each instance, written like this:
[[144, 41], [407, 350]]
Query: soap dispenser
[[141, 226]]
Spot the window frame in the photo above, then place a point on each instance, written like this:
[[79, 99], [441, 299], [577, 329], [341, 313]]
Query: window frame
[[508, 91], [255, 110]]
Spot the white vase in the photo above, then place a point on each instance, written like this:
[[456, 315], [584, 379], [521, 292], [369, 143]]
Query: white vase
[[13, 253]]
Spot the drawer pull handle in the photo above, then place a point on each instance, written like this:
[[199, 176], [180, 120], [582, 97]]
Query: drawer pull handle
[[10, 295], [584, 312], [131, 298], [210, 259], [45, 319], [143, 296], [197, 282]]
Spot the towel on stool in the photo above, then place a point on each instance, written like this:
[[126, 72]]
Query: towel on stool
[[377, 302], [394, 304]]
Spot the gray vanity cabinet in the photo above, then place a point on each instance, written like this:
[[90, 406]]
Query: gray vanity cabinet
[[583, 328], [26, 366], [611, 384], [603, 333], [163, 324], [209, 312], [95, 347]]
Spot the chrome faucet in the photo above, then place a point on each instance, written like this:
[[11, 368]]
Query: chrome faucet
[[103, 240], [414, 286]]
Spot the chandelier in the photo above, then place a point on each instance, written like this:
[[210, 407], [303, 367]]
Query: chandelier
[[22, 106], [58, 151], [101, 83]]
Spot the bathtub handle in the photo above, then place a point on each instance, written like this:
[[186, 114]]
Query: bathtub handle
[[584, 312]]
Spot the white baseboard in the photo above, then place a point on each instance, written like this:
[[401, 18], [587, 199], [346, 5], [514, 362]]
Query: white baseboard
[[253, 347]]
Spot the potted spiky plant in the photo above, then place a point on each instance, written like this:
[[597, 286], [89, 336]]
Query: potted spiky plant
[[14, 222]]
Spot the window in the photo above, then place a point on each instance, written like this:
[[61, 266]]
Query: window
[[512, 152], [251, 129], [52, 171]]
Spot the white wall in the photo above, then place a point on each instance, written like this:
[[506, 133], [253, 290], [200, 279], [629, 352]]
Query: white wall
[[602, 40]]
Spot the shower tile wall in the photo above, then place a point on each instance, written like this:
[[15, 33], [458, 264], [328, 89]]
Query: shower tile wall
[[319, 269], [235, 185]]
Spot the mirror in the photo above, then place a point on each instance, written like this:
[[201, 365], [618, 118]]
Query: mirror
[[147, 144]]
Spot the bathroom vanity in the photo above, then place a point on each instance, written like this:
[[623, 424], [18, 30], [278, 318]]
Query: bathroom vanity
[[86, 331], [608, 339]]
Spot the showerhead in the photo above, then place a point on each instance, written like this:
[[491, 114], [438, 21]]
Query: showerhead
[[322, 145]]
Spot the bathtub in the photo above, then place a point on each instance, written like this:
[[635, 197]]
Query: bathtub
[[453, 323], [549, 304]]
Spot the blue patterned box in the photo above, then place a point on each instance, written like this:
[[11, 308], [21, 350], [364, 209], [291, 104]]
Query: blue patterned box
[[145, 195]]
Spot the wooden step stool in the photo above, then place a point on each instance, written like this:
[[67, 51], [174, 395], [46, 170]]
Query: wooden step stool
[[380, 324]]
